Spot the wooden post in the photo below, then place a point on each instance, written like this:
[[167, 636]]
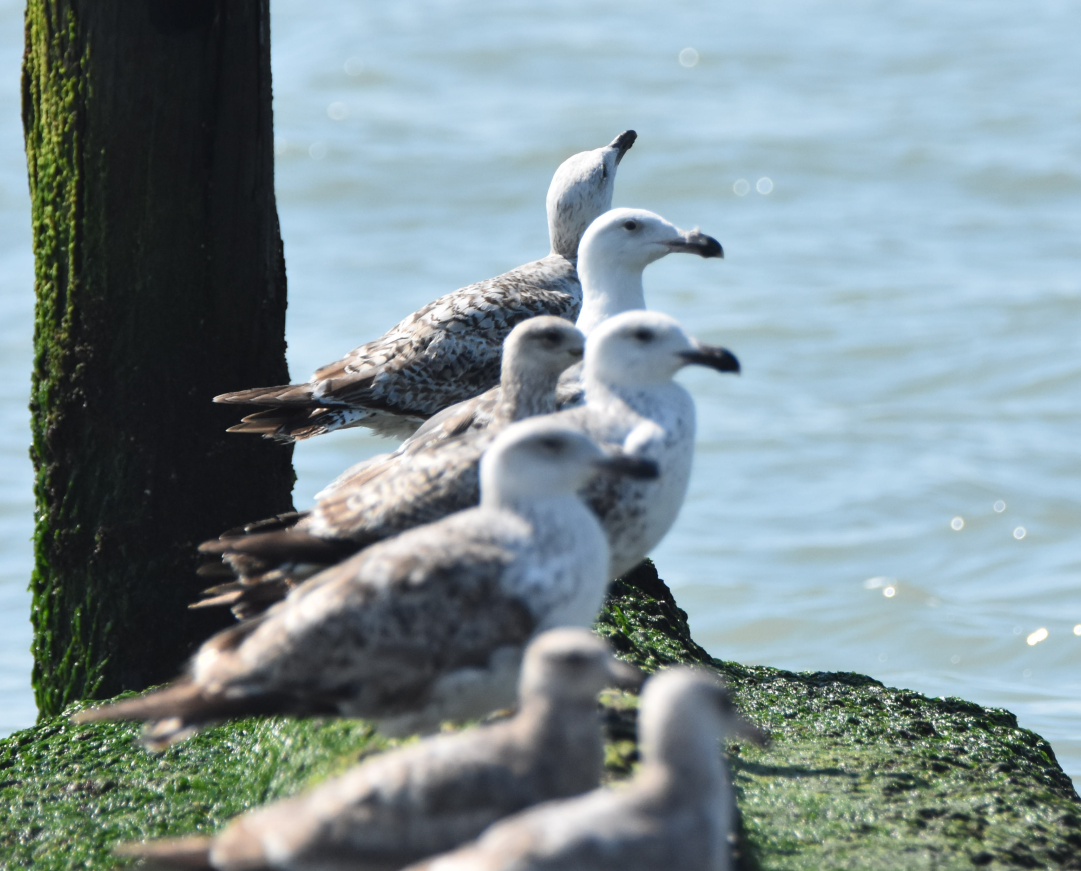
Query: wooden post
[[160, 282]]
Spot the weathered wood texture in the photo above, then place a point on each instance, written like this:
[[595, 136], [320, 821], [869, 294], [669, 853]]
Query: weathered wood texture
[[160, 282]]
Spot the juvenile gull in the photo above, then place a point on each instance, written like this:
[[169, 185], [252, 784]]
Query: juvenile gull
[[424, 627], [614, 252], [419, 483], [676, 814], [448, 350], [433, 796]]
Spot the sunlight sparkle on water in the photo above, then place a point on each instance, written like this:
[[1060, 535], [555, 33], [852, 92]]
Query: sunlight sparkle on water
[[889, 592], [337, 111], [317, 151], [741, 188], [688, 57], [764, 186], [353, 67], [957, 523], [1019, 533], [1077, 629], [999, 506], [1037, 636], [955, 659]]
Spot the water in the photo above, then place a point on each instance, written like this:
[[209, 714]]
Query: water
[[905, 299]]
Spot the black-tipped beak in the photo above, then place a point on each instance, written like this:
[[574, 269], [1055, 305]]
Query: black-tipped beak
[[623, 143], [624, 675], [697, 242], [629, 467], [712, 356]]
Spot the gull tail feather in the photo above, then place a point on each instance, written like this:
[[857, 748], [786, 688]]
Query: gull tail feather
[[189, 854], [281, 395], [297, 424]]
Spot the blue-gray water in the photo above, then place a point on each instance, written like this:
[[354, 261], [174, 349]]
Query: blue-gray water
[[905, 300]]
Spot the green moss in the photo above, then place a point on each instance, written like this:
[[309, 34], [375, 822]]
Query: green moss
[[69, 793], [857, 775]]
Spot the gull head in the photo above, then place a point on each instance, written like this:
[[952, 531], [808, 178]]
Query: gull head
[[543, 344], [544, 456], [630, 239], [646, 348], [573, 664], [684, 712], [581, 190]]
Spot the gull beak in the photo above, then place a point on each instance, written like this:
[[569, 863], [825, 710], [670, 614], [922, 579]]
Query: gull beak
[[696, 242], [628, 466], [736, 724], [748, 731], [713, 356], [624, 675], [623, 143]]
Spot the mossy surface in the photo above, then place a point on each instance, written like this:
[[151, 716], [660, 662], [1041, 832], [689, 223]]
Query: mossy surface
[[857, 775]]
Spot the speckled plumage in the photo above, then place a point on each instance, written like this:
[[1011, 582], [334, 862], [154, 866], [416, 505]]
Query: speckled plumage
[[432, 796], [676, 814], [614, 252], [426, 479], [449, 350], [424, 627], [632, 403]]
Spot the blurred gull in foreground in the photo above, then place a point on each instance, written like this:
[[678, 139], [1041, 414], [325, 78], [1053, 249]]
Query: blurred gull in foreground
[[676, 814], [433, 796], [419, 483], [424, 627], [448, 350]]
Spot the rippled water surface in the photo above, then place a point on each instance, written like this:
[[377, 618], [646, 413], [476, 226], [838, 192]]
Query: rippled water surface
[[905, 299]]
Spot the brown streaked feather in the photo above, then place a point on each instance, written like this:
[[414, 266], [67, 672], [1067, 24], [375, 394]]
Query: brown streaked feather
[[183, 854], [443, 353], [282, 394]]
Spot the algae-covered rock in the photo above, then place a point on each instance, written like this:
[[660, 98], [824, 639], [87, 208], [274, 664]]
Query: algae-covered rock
[[857, 776]]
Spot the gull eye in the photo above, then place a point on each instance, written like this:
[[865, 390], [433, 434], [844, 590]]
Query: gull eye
[[643, 335], [551, 445], [575, 660], [630, 225], [552, 337]]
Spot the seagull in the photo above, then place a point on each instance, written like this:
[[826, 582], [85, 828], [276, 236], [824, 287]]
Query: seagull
[[421, 482], [677, 813], [427, 626], [632, 405], [435, 795], [448, 350], [614, 252]]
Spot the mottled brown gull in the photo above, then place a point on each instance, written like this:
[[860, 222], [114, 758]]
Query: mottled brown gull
[[448, 350], [614, 252], [676, 814], [424, 627], [419, 483], [430, 797]]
